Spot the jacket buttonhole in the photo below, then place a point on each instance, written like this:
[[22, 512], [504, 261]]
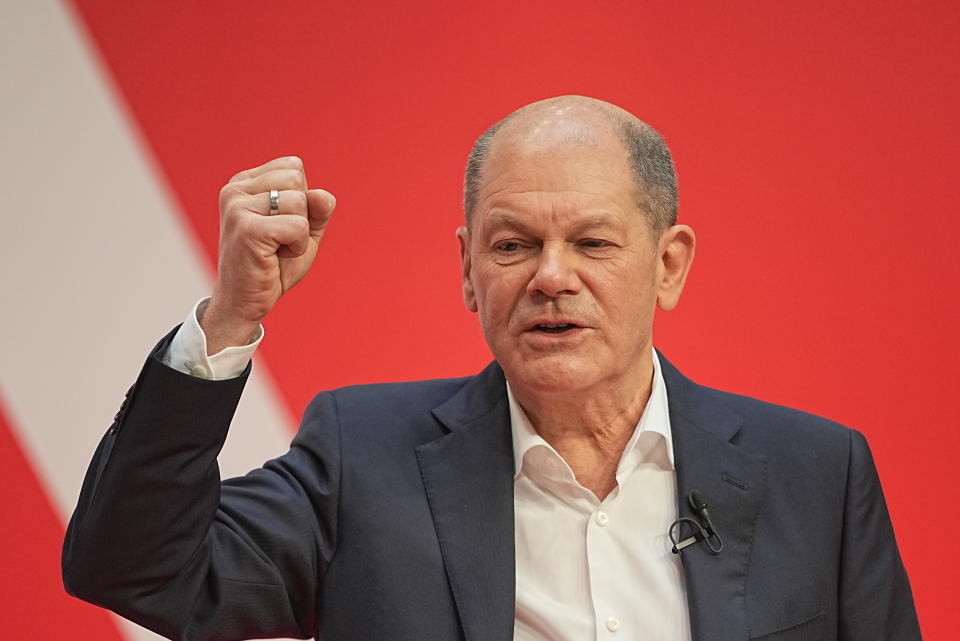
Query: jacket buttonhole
[[734, 482]]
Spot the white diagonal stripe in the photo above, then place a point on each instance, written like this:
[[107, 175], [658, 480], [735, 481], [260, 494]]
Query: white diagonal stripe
[[96, 262]]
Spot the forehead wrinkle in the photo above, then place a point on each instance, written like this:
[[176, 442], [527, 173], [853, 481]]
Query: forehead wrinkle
[[558, 201], [495, 191]]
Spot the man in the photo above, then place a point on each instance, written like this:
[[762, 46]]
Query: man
[[532, 501]]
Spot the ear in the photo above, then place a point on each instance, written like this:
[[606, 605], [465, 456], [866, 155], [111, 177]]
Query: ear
[[676, 249], [469, 297]]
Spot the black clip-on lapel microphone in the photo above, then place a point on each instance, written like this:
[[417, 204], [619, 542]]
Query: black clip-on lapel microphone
[[702, 525]]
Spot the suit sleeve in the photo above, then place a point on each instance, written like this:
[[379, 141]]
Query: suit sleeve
[[158, 539], [875, 601]]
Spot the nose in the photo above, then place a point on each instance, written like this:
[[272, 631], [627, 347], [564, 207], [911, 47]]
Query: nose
[[556, 273]]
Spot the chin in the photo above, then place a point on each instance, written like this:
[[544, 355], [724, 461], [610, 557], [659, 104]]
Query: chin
[[555, 374]]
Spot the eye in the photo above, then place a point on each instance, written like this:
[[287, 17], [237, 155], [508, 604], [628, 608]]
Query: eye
[[507, 246], [594, 243]]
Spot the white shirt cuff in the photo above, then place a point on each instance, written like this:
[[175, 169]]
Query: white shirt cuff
[[188, 350]]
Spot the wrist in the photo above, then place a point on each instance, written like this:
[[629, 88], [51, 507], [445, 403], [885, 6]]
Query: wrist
[[224, 328]]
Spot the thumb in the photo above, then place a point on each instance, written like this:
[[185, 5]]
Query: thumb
[[320, 206]]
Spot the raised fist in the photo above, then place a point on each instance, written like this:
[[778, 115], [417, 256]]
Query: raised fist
[[263, 251]]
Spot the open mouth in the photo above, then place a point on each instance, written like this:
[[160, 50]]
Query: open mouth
[[554, 328]]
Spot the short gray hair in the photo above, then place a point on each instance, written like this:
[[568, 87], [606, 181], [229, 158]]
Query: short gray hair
[[650, 159], [475, 162]]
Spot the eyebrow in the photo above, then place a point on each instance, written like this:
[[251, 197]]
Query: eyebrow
[[503, 219], [590, 221]]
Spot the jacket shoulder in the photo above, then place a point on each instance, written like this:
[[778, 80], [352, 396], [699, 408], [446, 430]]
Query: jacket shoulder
[[778, 426], [405, 398], [381, 414]]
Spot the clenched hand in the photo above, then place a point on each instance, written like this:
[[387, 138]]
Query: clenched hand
[[262, 254]]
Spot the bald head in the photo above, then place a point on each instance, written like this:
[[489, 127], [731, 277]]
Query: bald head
[[564, 123]]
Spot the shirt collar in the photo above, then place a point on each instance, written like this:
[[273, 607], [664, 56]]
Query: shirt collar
[[654, 420]]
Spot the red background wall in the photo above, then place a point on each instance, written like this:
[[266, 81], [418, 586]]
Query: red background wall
[[816, 145]]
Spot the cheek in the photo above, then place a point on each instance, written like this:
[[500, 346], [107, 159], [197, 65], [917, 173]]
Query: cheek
[[626, 295], [497, 290], [482, 284]]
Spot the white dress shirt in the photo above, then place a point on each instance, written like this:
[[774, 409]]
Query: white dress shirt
[[591, 569], [586, 569]]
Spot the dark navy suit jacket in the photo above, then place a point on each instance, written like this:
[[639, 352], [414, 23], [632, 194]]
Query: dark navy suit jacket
[[391, 518]]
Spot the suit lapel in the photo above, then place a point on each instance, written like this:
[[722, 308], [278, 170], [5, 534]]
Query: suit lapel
[[468, 477], [732, 483]]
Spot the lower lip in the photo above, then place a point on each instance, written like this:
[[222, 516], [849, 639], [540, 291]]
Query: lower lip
[[548, 338]]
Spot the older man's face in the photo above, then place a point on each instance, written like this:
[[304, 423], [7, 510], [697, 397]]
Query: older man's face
[[560, 264]]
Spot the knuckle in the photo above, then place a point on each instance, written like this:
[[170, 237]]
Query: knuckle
[[227, 193], [303, 226], [297, 179], [294, 161], [299, 201]]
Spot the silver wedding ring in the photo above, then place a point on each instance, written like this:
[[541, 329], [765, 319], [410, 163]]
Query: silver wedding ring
[[274, 201]]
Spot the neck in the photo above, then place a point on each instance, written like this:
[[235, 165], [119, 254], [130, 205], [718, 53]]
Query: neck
[[590, 428]]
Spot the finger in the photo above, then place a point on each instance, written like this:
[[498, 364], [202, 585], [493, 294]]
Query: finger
[[284, 162], [274, 179], [284, 230], [320, 206], [290, 201]]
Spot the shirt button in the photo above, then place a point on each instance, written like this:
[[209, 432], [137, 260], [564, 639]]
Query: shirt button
[[200, 371], [602, 519], [613, 624]]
